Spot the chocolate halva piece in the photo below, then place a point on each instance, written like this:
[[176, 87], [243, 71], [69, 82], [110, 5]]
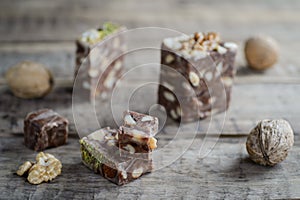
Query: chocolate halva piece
[[100, 152], [45, 128], [136, 141], [99, 60], [196, 76], [137, 133], [146, 123]]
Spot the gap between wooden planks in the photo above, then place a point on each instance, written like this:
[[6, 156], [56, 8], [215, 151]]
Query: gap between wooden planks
[[239, 80]]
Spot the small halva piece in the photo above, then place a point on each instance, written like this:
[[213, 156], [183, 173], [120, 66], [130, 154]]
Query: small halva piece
[[137, 133], [45, 128], [100, 152], [269, 142], [46, 168], [122, 155]]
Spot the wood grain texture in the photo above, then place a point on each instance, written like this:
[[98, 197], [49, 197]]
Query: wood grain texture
[[60, 59], [63, 20], [54, 25], [246, 108], [225, 173]]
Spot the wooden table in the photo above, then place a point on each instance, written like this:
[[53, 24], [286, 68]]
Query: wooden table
[[44, 31]]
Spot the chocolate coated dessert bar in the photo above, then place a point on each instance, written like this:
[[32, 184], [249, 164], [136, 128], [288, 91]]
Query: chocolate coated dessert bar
[[100, 152], [196, 76], [99, 60], [45, 128]]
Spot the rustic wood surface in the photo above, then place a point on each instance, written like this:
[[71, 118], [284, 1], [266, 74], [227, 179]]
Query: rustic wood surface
[[44, 31]]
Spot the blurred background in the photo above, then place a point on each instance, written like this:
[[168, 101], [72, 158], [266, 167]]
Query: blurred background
[[45, 31]]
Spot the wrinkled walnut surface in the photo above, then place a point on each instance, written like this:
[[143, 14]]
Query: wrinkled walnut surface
[[269, 142]]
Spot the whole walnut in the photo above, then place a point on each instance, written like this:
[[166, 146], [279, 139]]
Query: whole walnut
[[269, 142], [29, 79], [261, 52]]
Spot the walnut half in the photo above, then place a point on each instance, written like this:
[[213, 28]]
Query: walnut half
[[46, 168]]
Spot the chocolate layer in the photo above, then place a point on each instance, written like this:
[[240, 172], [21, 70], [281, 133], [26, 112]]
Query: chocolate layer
[[45, 128]]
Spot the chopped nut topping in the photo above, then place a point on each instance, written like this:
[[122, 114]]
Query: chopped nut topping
[[212, 36], [199, 42], [198, 37]]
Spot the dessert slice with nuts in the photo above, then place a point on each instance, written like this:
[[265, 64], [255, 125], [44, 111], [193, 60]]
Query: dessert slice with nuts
[[100, 152], [137, 133], [45, 128]]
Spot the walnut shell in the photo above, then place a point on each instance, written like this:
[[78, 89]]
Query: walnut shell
[[261, 52], [29, 80], [269, 142]]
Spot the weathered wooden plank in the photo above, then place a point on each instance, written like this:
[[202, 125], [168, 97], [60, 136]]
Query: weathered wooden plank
[[38, 19], [224, 173], [250, 103], [59, 58]]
